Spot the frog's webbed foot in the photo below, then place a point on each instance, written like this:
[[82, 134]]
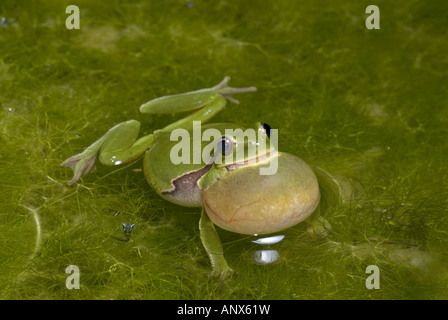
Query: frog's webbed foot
[[319, 228], [117, 146], [223, 89], [81, 164]]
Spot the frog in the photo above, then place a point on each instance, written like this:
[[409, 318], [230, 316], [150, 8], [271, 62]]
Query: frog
[[227, 185]]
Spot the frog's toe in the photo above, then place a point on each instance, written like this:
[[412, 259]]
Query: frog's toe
[[226, 91], [222, 273], [80, 165]]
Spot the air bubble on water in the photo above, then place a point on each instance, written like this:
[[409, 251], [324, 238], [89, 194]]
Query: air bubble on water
[[269, 240]]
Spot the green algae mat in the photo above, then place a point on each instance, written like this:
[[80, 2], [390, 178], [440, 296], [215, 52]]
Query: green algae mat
[[363, 98]]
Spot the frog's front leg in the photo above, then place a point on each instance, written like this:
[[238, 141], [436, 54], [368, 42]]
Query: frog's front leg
[[213, 246], [116, 146]]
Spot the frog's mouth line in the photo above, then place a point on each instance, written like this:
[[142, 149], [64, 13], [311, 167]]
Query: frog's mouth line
[[257, 161], [187, 186]]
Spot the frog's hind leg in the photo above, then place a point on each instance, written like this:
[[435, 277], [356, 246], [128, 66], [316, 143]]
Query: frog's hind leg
[[205, 103], [116, 146]]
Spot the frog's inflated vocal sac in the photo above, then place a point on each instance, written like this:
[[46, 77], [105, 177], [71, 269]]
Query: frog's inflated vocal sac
[[232, 193]]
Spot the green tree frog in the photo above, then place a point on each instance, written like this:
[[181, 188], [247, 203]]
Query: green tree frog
[[232, 193]]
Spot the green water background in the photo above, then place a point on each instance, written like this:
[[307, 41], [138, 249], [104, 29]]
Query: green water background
[[367, 105]]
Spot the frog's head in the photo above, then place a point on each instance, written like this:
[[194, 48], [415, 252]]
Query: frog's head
[[239, 148], [240, 199]]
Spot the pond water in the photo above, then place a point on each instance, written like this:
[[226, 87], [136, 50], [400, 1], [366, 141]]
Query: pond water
[[367, 106]]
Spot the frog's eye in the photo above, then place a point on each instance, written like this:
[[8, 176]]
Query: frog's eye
[[225, 146], [266, 128]]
